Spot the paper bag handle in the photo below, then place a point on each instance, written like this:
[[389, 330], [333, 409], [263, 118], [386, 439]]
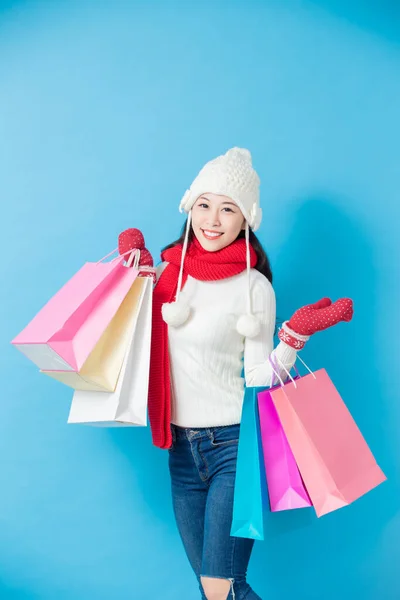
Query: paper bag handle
[[276, 373], [273, 366], [308, 368], [134, 252]]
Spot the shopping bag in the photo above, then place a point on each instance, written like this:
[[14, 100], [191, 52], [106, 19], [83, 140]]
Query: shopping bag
[[247, 520], [127, 406], [334, 460], [101, 369], [285, 487], [66, 329]]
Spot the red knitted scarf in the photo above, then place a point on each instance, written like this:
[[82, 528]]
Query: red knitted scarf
[[199, 264]]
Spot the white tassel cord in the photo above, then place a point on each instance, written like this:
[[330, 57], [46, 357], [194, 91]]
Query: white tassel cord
[[177, 313], [248, 325]]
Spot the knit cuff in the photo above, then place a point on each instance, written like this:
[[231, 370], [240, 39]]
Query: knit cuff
[[145, 271], [291, 338]]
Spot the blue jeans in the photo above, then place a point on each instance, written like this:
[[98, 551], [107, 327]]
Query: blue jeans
[[202, 464]]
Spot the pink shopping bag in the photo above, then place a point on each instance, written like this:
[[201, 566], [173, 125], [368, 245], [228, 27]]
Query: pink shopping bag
[[334, 460], [66, 329], [285, 486]]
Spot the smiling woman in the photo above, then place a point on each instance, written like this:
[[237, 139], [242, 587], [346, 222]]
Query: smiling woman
[[216, 221], [213, 314]]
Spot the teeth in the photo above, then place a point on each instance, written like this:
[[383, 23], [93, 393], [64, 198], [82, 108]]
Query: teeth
[[212, 234]]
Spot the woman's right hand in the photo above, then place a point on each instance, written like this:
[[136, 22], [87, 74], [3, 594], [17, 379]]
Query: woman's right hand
[[132, 239]]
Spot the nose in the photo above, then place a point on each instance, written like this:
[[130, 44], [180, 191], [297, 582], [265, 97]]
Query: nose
[[213, 218]]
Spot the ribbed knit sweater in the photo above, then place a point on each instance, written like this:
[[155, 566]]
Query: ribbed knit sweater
[[207, 354]]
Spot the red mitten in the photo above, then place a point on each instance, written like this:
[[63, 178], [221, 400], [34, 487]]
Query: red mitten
[[315, 317], [146, 258], [131, 239]]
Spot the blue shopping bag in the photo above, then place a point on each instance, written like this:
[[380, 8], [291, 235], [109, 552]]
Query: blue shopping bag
[[250, 485]]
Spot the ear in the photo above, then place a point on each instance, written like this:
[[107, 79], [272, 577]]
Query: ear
[[244, 225]]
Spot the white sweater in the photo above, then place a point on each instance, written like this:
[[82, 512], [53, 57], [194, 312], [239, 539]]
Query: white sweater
[[206, 352]]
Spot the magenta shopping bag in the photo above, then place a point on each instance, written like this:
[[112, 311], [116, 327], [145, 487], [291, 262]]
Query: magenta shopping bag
[[286, 489], [65, 331]]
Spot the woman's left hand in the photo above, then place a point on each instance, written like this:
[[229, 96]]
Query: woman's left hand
[[315, 317]]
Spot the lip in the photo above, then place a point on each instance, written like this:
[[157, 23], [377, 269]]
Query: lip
[[211, 238]]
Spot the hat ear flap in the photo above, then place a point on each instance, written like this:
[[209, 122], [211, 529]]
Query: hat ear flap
[[185, 202]]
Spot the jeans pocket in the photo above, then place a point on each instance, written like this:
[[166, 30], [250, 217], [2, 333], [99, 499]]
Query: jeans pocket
[[223, 436]]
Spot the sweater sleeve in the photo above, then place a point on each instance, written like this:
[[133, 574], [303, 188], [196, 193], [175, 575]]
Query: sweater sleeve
[[257, 368]]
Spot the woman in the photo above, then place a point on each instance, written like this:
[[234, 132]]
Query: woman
[[213, 306]]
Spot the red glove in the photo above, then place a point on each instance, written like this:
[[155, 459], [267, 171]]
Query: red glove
[[131, 239], [314, 317]]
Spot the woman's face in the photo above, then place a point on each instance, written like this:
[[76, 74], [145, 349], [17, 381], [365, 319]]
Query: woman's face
[[213, 214]]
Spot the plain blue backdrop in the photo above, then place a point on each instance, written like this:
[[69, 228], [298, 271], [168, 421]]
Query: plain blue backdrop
[[107, 112]]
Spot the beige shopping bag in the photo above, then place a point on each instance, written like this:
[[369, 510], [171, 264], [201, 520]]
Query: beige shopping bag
[[127, 406]]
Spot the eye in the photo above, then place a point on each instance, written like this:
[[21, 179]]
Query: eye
[[203, 204]]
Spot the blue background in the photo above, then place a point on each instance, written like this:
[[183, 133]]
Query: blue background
[[107, 112]]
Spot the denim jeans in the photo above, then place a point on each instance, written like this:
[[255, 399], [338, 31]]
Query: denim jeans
[[202, 464]]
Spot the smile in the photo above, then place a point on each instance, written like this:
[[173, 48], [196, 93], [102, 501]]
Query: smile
[[211, 235]]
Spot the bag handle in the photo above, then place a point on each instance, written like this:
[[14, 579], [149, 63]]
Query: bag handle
[[273, 366], [134, 254], [277, 376], [308, 368], [107, 256]]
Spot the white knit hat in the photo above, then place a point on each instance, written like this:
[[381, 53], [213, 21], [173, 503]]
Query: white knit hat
[[231, 175]]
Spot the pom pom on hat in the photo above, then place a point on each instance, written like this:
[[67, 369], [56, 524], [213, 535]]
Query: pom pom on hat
[[248, 326], [175, 313]]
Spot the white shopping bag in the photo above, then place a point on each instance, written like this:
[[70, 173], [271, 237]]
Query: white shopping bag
[[127, 406]]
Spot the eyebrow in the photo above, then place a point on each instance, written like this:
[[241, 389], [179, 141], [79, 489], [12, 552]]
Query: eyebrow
[[226, 202]]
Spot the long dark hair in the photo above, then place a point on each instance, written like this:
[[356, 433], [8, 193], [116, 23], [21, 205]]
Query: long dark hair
[[263, 264]]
